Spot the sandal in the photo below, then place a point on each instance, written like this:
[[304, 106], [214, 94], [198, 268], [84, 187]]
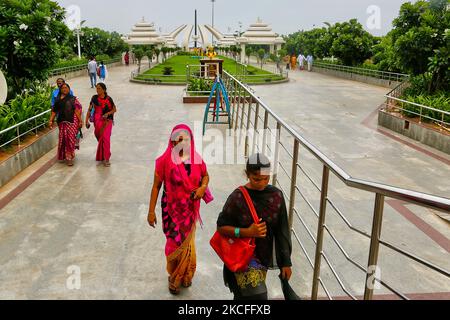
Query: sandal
[[172, 289], [107, 164], [186, 284]]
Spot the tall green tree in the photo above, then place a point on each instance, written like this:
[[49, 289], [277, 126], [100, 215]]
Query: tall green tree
[[248, 53], [261, 55], [421, 41], [350, 42], [95, 42], [30, 34], [139, 52]]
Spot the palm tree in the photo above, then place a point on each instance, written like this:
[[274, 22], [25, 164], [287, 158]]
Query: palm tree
[[139, 53], [248, 53], [164, 51], [150, 51], [261, 56], [157, 51]]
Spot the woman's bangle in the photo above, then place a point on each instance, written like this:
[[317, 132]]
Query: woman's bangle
[[237, 232]]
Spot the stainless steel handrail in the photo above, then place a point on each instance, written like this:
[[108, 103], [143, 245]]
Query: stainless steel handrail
[[441, 121], [60, 71], [385, 75], [380, 191], [18, 125]]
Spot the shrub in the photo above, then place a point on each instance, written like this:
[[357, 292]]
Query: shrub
[[199, 85], [168, 71], [439, 101], [30, 103]]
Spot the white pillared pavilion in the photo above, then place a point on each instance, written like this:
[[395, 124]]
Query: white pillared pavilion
[[144, 33], [260, 33]]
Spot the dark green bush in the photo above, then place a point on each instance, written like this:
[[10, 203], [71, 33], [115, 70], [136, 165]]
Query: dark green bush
[[168, 71]]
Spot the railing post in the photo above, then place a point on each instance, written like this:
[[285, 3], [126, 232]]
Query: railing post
[[374, 245], [241, 127], [265, 130], [420, 120], [238, 107], [293, 184], [249, 112], [18, 138], [234, 101], [256, 132], [276, 154], [320, 233]]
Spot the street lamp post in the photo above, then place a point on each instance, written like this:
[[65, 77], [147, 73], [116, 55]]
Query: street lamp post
[[78, 41]]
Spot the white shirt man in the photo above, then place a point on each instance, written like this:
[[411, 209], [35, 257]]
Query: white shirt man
[[92, 69], [301, 61]]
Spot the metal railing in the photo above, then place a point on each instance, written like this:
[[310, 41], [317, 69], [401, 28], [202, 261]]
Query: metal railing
[[253, 114], [384, 75], [273, 68], [414, 110], [39, 120], [65, 70]]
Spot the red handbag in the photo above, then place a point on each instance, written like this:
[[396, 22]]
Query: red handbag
[[236, 253]]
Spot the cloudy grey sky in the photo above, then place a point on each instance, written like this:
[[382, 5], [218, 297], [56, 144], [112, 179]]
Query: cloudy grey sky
[[285, 16]]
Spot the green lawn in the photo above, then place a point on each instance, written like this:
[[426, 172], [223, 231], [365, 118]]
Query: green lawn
[[179, 63]]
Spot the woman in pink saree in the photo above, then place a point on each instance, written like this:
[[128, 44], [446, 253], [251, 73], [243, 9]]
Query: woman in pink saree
[[101, 112], [67, 110], [185, 178]]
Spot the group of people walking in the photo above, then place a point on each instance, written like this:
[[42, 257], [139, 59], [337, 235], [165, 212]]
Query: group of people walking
[[68, 113], [184, 177], [302, 61], [97, 70]]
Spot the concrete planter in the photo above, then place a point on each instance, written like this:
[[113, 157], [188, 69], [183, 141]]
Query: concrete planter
[[437, 139], [23, 158]]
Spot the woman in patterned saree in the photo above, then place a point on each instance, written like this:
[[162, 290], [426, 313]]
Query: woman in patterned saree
[[271, 234], [185, 178], [67, 110], [102, 108]]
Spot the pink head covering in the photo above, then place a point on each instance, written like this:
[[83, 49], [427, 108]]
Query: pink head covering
[[178, 184]]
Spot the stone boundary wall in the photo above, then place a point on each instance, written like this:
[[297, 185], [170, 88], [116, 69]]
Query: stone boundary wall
[[18, 162]]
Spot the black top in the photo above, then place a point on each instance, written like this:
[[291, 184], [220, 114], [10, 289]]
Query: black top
[[107, 104], [271, 207], [65, 109]]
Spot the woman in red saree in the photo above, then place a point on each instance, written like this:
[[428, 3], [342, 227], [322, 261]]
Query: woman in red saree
[[101, 112], [185, 178], [67, 110]]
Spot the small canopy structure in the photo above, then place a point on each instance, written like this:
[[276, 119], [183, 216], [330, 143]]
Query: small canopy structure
[[260, 33], [144, 33]]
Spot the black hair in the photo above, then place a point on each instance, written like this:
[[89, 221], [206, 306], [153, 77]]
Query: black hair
[[64, 81], [103, 86], [257, 162], [66, 84], [101, 62]]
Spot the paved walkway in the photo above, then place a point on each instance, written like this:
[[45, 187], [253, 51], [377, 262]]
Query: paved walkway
[[95, 217]]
